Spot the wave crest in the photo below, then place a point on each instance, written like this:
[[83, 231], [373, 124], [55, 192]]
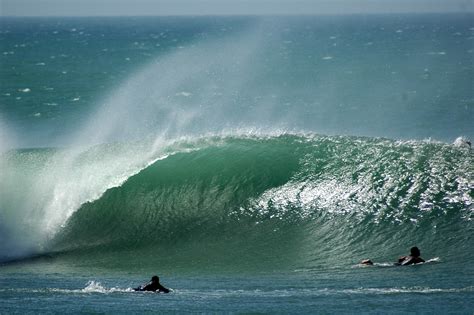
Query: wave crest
[[304, 194]]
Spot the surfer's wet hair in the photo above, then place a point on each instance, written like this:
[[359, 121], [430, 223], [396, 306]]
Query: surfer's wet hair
[[414, 251]]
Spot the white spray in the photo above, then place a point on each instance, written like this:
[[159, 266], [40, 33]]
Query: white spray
[[185, 93]]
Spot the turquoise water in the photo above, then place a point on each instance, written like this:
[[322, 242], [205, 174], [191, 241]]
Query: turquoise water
[[251, 162], [341, 291]]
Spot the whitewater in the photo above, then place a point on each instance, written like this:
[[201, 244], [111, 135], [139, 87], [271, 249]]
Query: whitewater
[[251, 162]]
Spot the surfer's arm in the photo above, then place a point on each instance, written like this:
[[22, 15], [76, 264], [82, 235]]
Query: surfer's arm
[[163, 289], [146, 287], [402, 259]]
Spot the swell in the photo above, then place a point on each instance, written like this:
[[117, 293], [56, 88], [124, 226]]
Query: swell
[[291, 199]]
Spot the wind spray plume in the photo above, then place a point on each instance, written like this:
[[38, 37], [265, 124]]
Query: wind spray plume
[[187, 91], [169, 98]]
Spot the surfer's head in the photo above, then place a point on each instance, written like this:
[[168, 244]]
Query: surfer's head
[[155, 279], [414, 251]]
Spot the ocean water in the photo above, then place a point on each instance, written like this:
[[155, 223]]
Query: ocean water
[[250, 162]]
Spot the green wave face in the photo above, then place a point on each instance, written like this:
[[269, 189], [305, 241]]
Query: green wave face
[[288, 201]]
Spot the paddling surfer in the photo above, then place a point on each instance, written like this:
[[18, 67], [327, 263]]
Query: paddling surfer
[[154, 285], [413, 258]]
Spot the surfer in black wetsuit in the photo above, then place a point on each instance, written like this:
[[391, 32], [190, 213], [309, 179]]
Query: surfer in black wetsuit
[[154, 285], [413, 258]]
